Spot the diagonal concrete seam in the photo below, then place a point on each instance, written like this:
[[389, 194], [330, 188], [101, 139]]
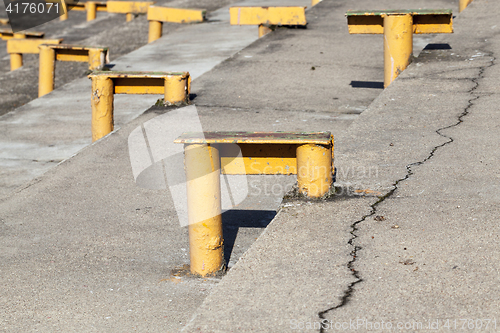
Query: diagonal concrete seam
[[409, 172]]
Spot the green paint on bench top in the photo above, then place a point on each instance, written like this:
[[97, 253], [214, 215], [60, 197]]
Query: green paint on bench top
[[76, 47], [323, 138], [125, 74], [399, 11]]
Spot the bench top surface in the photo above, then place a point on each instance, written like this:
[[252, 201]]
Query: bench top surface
[[160, 7], [99, 3], [399, 11], [76, 47], [324, 138], [136, 75], [267, 7], [28, 33]]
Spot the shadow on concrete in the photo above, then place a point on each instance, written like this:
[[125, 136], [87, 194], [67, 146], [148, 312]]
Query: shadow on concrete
[[367, 84], [233, 220], [438, 46]]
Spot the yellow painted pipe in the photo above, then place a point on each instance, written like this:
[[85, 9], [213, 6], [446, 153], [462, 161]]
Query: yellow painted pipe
[[102, 106], [206, 248], [64, 9], [155, 30], [91, 8], [97, 59], [16, 61], [46, 70], [130, 17], [463, 4], [398, 45], [264, 30], [176, 89], [314, 170]]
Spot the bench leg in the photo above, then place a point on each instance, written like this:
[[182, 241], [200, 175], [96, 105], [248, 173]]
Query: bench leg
[[176, 90], [91, 9], [46, 70], [398, 45], [97, 59], [64, 10], [263, 30], [102, 107], [463, 4], [155, 30], [130, 17], [206, 250], [16, 61], [314, 170]]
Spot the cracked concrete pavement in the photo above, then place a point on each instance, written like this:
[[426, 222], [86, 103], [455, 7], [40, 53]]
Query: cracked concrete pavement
[[422, 240], [423, 249], [433, 256]]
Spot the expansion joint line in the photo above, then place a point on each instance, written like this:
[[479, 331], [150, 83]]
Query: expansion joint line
[[373, 207]]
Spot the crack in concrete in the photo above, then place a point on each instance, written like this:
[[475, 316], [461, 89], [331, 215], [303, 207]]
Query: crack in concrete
[[344, 300]]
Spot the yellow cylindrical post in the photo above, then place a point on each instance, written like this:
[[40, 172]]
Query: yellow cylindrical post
[[264, 30], [176, 89], [64, 10], [398, 45], [130, 17], [314, 169], [102, 106], [16, 61], [46, 70], [463, 4], [97, 59], [206, 248], [155, 28], [91, 9]]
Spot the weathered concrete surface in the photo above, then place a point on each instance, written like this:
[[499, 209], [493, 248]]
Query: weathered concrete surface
[[434, 256], [427, 250], [108, 30], [86, 250], [298, 269], [28, 131]]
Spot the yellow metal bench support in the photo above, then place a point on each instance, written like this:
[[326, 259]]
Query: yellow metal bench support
[[173, 85], [92, 7], [207, 155], [64, 9], [96, 57], [17, 47], [131, 8], [66, 6], [398, 27], [265, 17], [7, 34], [206, 248], [463, 4], [158, 15], [398, 45]]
